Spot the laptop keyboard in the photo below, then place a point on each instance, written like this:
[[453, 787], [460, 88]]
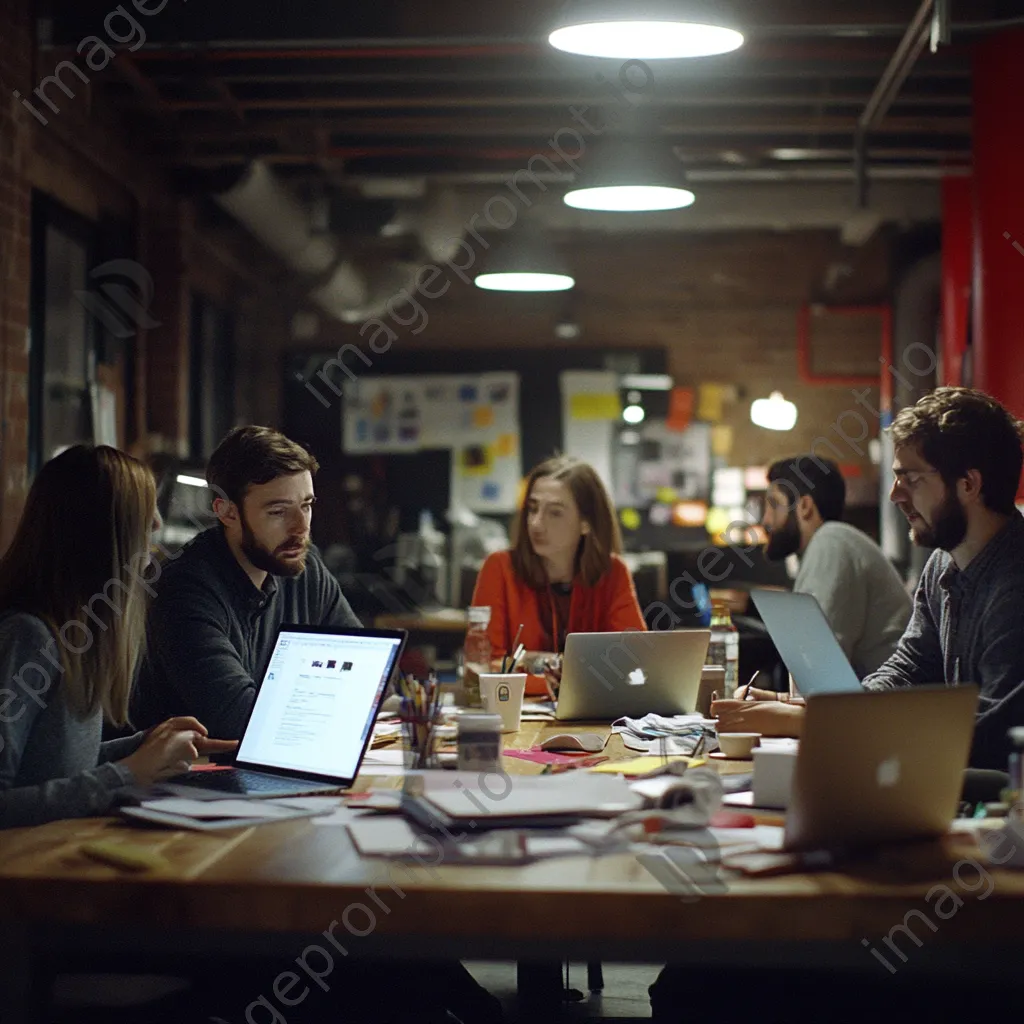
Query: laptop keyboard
[[240, 780]]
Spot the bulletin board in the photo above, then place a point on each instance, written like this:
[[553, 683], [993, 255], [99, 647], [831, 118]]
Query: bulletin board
[[476, 416]]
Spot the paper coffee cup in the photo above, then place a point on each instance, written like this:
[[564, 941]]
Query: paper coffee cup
[[502, 694]]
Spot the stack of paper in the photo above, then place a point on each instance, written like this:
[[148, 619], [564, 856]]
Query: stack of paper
[[210, 815]]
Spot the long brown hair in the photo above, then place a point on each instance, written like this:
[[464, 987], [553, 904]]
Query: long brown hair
[[594, 554], [78, 562]]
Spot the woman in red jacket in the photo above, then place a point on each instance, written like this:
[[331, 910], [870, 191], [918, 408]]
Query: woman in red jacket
[[564, 573]]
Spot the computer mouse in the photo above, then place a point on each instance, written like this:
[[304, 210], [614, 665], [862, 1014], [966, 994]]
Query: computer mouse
[[580, 742]]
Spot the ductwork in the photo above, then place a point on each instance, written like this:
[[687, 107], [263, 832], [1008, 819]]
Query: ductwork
[[347, 292], [270, 211]]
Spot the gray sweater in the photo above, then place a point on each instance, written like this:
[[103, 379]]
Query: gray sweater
[[211, 633], [52, 763], [968, 627], [860, 592]]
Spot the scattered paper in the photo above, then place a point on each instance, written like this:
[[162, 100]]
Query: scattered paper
[[219, 808], [344, 816], [377, 757]]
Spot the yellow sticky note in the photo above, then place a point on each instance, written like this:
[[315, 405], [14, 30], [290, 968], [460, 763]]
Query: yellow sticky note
[[483, 416], [505, 446], [721, 441], [710, 402], [639, 765], [595, 407], [477, 460]]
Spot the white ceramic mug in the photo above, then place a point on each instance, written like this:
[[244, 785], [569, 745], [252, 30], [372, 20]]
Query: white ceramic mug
[[738, 745], [502, 694]]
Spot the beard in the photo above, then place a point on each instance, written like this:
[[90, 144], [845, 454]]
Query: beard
[[948, 527], [784, 541], [269, 561]]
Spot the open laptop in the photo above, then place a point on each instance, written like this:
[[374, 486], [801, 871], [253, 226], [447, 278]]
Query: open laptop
[[880, 767], [608, 675], [805, 642], [313, 716]]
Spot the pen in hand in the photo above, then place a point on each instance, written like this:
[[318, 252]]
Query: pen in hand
[[749, 695]]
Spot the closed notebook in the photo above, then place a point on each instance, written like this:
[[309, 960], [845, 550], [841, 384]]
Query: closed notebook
[[481, 800]]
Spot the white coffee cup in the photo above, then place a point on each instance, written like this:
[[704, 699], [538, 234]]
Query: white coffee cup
[[739, 745], [502, 694]]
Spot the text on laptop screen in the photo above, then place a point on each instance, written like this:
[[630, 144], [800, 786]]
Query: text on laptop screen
[[317, 702]]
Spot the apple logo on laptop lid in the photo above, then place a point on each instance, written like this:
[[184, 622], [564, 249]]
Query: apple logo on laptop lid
[[888, 773], [637, 677]]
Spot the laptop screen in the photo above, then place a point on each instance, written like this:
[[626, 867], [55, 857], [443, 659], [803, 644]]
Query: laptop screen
[[319, 698]]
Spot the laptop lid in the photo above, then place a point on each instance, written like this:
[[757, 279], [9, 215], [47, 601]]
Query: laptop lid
[[805, 642], [880, 767], [608, 675], [314, 712]]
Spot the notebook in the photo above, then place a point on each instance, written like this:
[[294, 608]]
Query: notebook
[[611, 675], [313, 716]]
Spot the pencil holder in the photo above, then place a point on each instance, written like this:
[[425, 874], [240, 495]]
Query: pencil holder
[[420, 715]]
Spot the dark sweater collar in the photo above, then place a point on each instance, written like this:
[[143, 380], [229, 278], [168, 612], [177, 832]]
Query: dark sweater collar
[[234, 576]]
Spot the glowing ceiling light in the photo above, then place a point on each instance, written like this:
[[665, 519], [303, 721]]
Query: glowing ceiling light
[[773, 413]]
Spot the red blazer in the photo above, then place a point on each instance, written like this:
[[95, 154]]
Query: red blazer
[[608, 607]]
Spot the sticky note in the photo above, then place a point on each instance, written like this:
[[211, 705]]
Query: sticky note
[[710, 402], [483, 416], [721, 441], [505, 446], [595, 407]]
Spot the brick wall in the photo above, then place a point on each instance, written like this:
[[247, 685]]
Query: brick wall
[[723, 306], [15, 199]]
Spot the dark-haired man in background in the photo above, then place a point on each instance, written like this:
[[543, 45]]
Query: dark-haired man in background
[[221, 600], [859, 590]]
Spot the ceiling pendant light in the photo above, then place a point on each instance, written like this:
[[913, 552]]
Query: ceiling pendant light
[[625, 175], [664, 29], [525, 264], [773, 413]]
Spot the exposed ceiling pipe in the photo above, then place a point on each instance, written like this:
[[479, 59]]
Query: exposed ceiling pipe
[[270, 211], [917, 36], [448, 47]]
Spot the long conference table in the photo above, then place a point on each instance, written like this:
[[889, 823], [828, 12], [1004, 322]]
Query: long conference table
[[275, 889]]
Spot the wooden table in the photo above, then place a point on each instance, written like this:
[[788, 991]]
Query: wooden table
[[280, 887], [426, 623]]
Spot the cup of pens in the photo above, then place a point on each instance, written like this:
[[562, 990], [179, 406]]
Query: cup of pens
[[420, 715]]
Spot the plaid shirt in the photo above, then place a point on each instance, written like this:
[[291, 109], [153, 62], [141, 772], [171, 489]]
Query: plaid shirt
[[968, 627]]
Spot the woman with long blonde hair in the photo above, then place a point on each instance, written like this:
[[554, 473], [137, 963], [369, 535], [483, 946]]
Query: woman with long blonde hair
[[72, 624]]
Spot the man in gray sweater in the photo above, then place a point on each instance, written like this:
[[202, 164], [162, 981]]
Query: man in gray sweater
[[219, 603], [860, 592]]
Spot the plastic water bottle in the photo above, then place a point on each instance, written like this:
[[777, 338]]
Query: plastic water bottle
[[477, 657], [724, 648]]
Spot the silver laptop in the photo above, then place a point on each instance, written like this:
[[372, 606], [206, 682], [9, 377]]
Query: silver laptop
[[882, 767], [608, 675], [313, 716], [805, 642]]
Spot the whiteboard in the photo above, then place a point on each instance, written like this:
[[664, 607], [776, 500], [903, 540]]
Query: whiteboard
[[475, 416]]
